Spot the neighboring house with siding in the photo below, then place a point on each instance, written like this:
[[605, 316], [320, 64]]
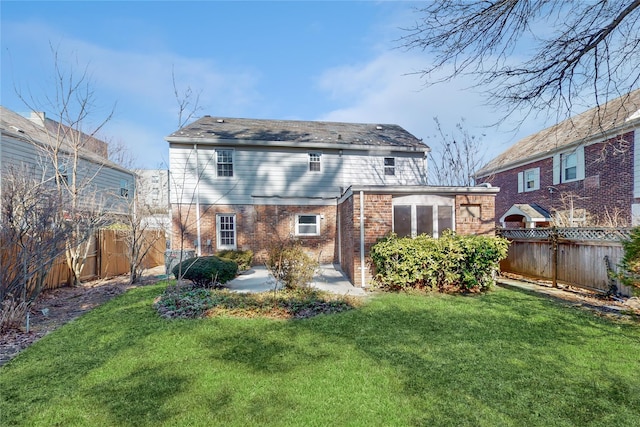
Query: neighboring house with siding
[[584, 170], [23, 149], [334, 187], [152, 186]]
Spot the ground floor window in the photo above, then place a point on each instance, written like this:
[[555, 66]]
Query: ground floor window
[[307, 225], [412, 220], [226, 231]]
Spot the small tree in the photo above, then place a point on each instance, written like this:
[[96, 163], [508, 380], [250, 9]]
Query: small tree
[[72, 104], [32, 236]]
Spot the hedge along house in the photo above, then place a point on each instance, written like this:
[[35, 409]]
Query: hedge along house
[[334, 187]]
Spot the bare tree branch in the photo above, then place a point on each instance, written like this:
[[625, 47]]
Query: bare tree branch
[[533, 55]]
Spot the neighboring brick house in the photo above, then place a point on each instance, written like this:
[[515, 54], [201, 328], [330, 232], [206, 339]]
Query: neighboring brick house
[[334, 187], [582, 171]]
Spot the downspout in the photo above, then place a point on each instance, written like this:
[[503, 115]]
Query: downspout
[[361, 238], [199, 246]]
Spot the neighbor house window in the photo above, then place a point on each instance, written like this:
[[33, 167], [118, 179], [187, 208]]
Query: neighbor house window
[[124, 188], [224, 162], [569, 166], [314, 162], [63, 173], [307, 225], [389, 166], [529, 180], [226, 231]]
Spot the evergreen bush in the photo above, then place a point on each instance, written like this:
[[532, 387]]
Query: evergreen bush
[[207, 271], [629, 267], [450, 263]]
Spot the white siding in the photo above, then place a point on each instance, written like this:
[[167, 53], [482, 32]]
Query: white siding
[[103, 182], [281, 175]]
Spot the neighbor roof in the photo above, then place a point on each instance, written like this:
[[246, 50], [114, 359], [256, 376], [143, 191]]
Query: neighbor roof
[[596, 124], [20, 127], [220, 130]]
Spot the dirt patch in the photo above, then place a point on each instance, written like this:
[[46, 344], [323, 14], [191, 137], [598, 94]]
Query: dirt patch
[[584, 298], [56, 307]]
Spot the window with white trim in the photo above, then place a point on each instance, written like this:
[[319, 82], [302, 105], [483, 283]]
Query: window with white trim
[[226, 231], [224, 163], [389, 166], [124, 188], [307, 225], [413, 220], [529, 180], [569, 166], [315, 162]]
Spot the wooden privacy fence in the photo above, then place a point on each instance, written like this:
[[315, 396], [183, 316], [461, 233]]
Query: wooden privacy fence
[[576, 256], [108, 257]]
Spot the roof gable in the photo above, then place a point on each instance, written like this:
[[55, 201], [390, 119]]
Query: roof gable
[[597, 123], [297, 133]]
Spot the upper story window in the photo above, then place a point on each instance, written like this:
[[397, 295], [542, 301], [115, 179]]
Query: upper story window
[[569, 166], [124, 188], [307, 225], [63, 173], [529, 180], [315, 162], [389, 166], [224, 163]]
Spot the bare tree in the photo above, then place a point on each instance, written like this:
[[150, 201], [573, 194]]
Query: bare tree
[[32, 236], [533, 55], [139, 234], [72, 103], [454, 158]]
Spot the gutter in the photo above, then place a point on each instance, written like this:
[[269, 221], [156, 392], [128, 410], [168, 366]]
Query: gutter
[[362, 239], [290, 144]]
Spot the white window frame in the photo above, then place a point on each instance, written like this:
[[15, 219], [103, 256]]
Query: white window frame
[[434, 212], [219, 163], [298, 224], [124, 188], [389, 169], [522, 180], [315, 158], [560, 162], [219, 231]]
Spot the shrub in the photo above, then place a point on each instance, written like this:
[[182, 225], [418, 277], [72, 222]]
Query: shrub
[[184, 301], [243, 258], [290, 265], [629, 267], [451, 262], [207, 271]]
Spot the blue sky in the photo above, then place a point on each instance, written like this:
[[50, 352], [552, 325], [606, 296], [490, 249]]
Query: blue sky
[[336, 61]]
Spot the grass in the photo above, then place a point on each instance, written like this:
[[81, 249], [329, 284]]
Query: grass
[[500, 359]]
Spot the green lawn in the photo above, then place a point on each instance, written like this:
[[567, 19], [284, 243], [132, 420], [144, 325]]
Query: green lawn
[[504, 358]]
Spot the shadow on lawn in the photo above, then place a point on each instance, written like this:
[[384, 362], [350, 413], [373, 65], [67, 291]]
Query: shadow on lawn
[[506, 355]]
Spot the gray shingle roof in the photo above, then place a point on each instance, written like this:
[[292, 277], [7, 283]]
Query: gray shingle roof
[[597, 123], [300, 133], [23, 128]]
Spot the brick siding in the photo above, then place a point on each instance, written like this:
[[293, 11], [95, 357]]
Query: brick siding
[[258, 227], [607, 187]]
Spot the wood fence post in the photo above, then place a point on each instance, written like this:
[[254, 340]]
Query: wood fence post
[[554, 255]]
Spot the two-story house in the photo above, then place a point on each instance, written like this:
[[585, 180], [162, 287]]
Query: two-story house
[[582, 171], [25, 148], [334, 187]]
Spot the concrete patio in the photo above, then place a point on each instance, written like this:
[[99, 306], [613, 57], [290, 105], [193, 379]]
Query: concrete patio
[[328, 278]]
